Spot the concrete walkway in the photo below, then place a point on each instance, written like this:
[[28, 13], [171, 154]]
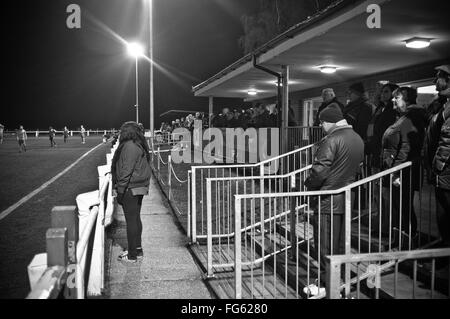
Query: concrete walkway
[[167, 270]]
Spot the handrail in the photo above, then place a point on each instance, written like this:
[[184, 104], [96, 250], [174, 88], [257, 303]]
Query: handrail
[[258, 163], [328, 192], [388, 256], [237, 178]]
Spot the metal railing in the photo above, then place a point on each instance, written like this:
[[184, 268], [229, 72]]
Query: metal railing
[[303, 135], [68, 247], [288, 162], [325, 223], [384, 274], [220, 210]]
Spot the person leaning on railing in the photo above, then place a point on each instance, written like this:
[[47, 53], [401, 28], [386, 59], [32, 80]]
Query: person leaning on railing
[[402, 142], [130, 171], [336, 162]]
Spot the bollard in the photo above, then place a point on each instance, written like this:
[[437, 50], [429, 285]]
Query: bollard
[[56, 240], [67, 217]]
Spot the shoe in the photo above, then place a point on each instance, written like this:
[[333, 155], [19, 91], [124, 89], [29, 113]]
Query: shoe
[[127, 260], [139, 254], [313, 290]]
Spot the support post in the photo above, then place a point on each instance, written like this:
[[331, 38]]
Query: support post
[[285, 111], [333, 279], [210, 109], [237, 249], [209, 228]]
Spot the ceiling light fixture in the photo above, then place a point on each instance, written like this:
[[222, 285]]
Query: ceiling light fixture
[[252, 92], [417, 43], [328, 69]]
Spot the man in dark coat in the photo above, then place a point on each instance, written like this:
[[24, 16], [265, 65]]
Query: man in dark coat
[[335, 165], [383, 117], [437, 151], [358, 112]]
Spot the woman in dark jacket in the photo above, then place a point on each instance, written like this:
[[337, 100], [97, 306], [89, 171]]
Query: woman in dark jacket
[[384, 116], [402, 142], [131, 179]]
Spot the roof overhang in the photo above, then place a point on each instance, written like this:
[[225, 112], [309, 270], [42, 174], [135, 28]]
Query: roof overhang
[[339, 36]]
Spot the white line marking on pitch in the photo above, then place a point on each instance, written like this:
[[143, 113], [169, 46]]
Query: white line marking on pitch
[[10, 209]]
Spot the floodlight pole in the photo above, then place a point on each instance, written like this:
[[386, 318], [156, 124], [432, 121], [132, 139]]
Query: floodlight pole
[[150, 4], [137, 91]]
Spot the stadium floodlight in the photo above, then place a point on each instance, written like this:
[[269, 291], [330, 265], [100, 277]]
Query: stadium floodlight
[[135, 49]]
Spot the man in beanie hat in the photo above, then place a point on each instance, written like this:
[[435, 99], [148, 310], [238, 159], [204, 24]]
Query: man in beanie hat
[[437, 150], [358, 112], [336, 162], [328, 97]]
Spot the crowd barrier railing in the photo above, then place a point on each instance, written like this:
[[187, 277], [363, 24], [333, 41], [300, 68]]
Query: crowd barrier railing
[[61, 271], [420, 265], [292, 161], [325, 223]]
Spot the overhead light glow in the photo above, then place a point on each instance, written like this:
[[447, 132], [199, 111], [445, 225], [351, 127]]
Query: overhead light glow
[[417, 43], [135, 49], [252, 92], [328, 69], [430, 89]]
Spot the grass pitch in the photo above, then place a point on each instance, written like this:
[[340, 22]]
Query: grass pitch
[[22, 233]]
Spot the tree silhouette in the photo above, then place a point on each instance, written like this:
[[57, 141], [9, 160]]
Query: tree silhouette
[[275, 17]]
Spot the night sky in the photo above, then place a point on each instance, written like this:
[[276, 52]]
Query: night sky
[[59, 76]]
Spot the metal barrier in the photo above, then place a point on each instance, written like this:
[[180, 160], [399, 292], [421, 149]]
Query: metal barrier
[[291, 161], [68, 246], [384, 274], [303, 135], [325, 223], [219, 208]]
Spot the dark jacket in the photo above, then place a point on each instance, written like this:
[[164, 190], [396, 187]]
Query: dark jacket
[[335, 165], [441, 160], [436, 120], [324, 105], [383, 117], [358, 114], [131, 156], [403, 141]]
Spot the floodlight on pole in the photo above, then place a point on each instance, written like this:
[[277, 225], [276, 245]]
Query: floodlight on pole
[[136, 50], [150, 49]]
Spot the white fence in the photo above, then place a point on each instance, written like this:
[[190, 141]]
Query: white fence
[[61, 271]]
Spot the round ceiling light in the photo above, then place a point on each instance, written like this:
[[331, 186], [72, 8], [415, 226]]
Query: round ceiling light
[[417, 43], [328, 69], [252, 92]]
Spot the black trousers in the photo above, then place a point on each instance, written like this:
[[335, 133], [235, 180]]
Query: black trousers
[[132, 210], [332, 242], [443, 213]]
